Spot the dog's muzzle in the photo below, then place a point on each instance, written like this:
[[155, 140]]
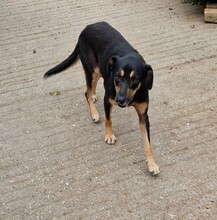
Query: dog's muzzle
[[122, 101]]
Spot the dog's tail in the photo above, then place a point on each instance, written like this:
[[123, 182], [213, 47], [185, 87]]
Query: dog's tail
[[64, 65]]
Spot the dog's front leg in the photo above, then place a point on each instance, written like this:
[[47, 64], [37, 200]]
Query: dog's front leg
[[142, 109], [109, 136]]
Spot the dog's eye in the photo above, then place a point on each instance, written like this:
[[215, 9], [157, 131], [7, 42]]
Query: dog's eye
[[118, 78], [135, 81]]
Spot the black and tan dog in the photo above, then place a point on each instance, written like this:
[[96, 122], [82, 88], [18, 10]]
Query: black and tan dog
[[104, 52]]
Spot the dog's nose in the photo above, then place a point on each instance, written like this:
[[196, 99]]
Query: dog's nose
[[121, 100]]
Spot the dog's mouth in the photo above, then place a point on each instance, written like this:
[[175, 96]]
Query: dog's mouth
[[122, 105], [127, 103]]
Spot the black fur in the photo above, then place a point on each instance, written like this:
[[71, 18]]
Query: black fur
[[64, 65], [100, 45], [127, 77]]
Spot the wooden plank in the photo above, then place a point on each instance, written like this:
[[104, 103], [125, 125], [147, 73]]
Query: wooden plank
[[211, 5], [210, 13]]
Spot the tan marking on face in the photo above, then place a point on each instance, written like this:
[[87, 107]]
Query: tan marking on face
[[122, 73], [131, 92], [117, 89], [132, 74]]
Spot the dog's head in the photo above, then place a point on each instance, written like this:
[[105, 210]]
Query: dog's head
[[129, 73]]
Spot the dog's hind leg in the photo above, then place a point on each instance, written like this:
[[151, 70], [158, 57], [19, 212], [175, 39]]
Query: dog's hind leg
[[91, 98], [96, 77], [89, 63]]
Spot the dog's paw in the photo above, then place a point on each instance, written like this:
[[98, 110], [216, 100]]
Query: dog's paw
[[153, 168], [110, 138], [95, 118], [94, 98]]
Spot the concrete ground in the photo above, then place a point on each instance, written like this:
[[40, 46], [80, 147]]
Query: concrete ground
[[54, 163]]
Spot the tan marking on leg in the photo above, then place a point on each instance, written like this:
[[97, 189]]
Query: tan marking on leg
[[93, 111], [152, 166], [109, 135], [91, 95], [96, 77], [141, 108]]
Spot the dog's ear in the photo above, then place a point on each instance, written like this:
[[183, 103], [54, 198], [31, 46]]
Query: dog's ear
[[149, 76], [111, 63]]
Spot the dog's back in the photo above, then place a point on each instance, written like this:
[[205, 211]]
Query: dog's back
[[102, 37], [106, 42]]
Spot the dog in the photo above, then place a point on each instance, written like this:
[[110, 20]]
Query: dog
[[105, 53]]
